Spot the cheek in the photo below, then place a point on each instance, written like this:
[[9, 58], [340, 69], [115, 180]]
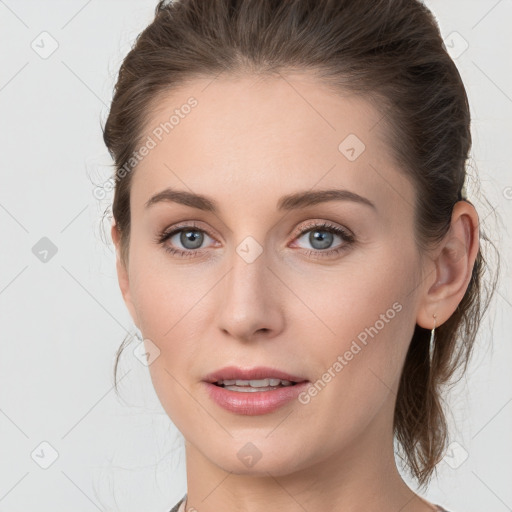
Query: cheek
[[170, 319], [358, 371], [172, 304], [167, 296], [367, 320]]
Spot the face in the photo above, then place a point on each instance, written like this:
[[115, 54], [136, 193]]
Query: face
[[326, 290]]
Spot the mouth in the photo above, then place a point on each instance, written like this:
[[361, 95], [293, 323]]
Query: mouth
[[253, 391]]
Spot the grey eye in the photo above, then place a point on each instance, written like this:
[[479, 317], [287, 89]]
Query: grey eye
[[323, 238], [320, 238], [191, 238]]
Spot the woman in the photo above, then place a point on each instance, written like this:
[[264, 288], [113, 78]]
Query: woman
[[295, 244]]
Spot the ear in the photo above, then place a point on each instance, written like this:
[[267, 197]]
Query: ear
[[450, 269], [123, 274]]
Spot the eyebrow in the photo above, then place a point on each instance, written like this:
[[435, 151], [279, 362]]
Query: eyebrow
[[293, 201]]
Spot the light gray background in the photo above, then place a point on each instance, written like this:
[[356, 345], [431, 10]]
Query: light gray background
[[62, 320]]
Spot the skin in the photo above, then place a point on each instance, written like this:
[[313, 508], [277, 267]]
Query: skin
[[247, 143]]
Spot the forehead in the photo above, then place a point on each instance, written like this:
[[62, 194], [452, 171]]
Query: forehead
[[247, 136]]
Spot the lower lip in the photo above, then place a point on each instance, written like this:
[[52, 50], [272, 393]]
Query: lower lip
[[252, 403]]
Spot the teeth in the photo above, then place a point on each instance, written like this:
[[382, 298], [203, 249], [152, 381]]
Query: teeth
[[261, 383], [249, 389]]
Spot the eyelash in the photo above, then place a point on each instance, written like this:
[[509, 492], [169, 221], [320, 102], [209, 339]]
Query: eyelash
[[315, 253]]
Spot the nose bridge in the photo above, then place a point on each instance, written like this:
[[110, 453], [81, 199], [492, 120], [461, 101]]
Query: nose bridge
[[247, 279]]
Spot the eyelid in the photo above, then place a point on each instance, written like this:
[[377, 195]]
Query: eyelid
[[183, 226], [320, 224], [348, 238]]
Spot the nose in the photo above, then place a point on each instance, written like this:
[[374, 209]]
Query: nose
[[250, 300]]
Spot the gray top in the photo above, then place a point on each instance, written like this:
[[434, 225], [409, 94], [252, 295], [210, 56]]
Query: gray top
[[177, 506]]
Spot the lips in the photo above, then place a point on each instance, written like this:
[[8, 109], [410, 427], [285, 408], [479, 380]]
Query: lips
[[230, 373], [256, 402], [250, 394]]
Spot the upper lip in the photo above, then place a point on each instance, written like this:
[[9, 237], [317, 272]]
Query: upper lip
[[256, 373]]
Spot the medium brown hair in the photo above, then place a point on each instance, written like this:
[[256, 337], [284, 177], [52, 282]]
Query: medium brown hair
[[391, 53]]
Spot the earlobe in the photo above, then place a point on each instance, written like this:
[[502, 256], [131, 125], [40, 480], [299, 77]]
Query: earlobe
[[123, 275], [447, 283]]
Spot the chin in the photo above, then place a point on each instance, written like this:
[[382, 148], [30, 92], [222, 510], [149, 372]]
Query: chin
[[259, 457]]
